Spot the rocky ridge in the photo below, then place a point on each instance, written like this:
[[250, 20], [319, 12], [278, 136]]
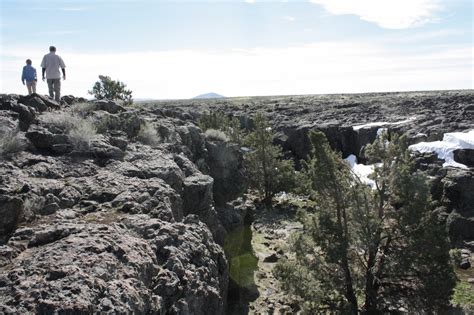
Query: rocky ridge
[[132, 217], [109, 224]]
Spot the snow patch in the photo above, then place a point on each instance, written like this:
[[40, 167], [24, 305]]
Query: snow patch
[[383, 123], [362, 171], [445, 148]]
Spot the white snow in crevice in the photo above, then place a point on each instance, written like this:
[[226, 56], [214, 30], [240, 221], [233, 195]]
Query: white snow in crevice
[[445, 148], [362, 171], [383, 123]]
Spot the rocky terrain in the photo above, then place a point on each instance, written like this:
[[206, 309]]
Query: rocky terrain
[[129, 210]]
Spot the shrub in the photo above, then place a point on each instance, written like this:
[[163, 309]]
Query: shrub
[[59, 121], [220, 121], [109, 89], [11, 143], [80, 130], [83, 109], [81, 134], [148, 134], [213, 134]]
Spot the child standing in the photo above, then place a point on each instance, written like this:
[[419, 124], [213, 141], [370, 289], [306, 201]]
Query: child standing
[[29, 75]]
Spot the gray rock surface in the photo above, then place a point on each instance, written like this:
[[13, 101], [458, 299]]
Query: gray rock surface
[[140, 266], [125, 227]]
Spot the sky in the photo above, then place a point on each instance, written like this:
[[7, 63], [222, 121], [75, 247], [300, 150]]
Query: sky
[[180, 49]]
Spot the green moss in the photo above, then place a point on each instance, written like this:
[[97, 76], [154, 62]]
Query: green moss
[[243, 262], [464, 296]]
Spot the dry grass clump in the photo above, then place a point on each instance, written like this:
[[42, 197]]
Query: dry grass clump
[[148, 134], [11, 143], [81, 131], [218, 135], [83, 109], [64, 121], [81, 135]]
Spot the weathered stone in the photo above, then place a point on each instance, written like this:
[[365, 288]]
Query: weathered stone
[[48, 142], [465, 263], [197, 194], [39, 102], [272, 258], [225, 166], [109, 106], [464, 156], [11, 213]]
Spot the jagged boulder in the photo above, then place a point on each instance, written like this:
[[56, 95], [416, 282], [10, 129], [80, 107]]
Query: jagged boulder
[[26, 114], [197, 194], [74, 268], [195, 278], [39, 102], [49, 142], [139, 266], [464, 156], [11, 213], [225, 166], [108, 106]]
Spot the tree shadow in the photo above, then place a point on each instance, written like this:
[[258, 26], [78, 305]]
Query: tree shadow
[[242, 266]]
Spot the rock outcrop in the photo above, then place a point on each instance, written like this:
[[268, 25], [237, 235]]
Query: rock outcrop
[[110, 226], [109, 209]]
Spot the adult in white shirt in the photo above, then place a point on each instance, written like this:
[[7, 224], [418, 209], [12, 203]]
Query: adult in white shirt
[[51, 64]]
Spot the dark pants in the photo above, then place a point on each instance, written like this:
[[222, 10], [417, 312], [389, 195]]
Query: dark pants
[[54, 86]]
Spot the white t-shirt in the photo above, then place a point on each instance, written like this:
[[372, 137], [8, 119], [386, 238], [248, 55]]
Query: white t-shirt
[[52, 62]]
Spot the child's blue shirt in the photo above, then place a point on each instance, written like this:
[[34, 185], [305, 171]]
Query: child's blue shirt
[[29, 74]]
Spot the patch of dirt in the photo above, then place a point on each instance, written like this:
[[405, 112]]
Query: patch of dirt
[[271, 231]]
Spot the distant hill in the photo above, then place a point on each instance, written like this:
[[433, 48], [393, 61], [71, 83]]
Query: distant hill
[[209, 95]]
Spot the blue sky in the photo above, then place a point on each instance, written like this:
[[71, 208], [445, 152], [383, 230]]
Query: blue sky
[[179, 49]]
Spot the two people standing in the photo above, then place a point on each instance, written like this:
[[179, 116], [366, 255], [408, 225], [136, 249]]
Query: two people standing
[[50, 71]]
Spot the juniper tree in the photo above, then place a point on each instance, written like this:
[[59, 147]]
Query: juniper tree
[[109, 89], [267, 171], [371, 250]]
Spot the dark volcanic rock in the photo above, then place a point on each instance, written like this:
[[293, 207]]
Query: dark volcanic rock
[[94, 268], [197, 194], [39, 102], [104, 229], [464, 156], [49, 142], [109, 106], [11, 213], [225, 166]]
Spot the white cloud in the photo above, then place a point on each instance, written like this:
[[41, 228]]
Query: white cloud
[[249, 1], [391, 14], [289, 18], [324, 67]]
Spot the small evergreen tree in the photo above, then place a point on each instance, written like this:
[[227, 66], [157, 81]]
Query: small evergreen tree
[[109, 89], [371, 250], [266, 171]]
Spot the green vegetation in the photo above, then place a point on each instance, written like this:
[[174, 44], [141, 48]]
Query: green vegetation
[[464, 296], [266, 171], [242, 261], [230, 126], [109, 89], [368, 250]]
